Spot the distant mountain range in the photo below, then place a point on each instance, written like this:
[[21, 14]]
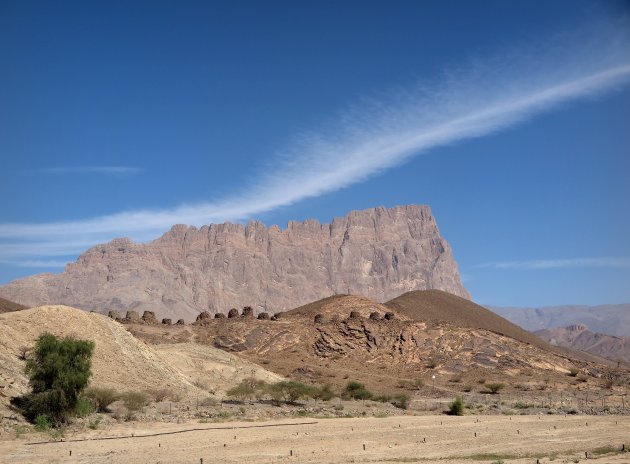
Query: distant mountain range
[[579, 337], [613, 319]]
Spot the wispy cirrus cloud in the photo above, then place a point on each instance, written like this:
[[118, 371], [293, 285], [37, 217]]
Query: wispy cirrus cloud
[[38, 263], [373, 136], [107, 170], [604, 262]]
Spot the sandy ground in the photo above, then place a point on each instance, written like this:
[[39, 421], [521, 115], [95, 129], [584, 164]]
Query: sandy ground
[[515, 439]]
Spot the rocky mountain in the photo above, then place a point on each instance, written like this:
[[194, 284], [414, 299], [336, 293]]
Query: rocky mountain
[[379, 253], [613, 319], [579, 337]]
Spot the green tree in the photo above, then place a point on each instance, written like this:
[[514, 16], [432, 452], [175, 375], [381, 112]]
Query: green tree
[[58, 371]]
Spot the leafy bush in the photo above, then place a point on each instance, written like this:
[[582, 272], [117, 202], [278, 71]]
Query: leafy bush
[[457, 407], [573, 372], [58, 371], [134, 400], [84, 407], [101, 397], [356, 391], [249, 388], [494, 388], [42, 423], [324, 393], [290, 391], [401, 400]]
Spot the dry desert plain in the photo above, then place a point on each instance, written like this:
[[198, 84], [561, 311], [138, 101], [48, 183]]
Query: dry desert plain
[[443, 439]]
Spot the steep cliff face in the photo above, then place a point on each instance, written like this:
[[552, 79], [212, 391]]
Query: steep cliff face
[[379, 253]]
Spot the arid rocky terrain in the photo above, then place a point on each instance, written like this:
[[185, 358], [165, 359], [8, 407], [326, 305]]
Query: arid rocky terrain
[[579, 337], [378, 253], [428, 346], [120, 360]]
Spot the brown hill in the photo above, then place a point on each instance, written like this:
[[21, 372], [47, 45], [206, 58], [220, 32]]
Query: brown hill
[[335, 339], [7, 306], [439, 306], [579, 337], [436, 305], [379, 253]]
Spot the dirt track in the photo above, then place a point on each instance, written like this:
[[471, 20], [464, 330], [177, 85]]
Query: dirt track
[[514, 439]]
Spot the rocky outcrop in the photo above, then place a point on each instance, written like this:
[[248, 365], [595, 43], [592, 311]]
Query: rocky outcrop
[[379, 253]]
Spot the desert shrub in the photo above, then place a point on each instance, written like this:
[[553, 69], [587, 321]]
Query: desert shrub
[[457, 407], [208, 401], [356, 391], [84, 407], [58, 371], [134, 400], [415, 384], [432, 363], [247, 389], [521, 405], [101, 397], [289, 391], [573, 372], [400, 400], [456, 378], [467, 388], [93, 424], [42, 423], [324, 393], [495, 387], [160, 394]]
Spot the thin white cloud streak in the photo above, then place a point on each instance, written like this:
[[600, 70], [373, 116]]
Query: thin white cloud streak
[[606, 262], [38, 263], [107, 170], [374, 137]]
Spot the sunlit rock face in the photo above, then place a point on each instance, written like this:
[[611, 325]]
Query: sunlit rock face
[[379, 253]]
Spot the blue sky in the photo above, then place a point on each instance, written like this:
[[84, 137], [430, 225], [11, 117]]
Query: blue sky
[[510, 119]]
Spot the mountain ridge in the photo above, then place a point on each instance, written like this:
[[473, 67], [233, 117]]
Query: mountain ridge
[[379, 253]]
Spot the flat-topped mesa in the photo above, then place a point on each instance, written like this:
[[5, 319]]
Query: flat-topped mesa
[[379, 253]]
